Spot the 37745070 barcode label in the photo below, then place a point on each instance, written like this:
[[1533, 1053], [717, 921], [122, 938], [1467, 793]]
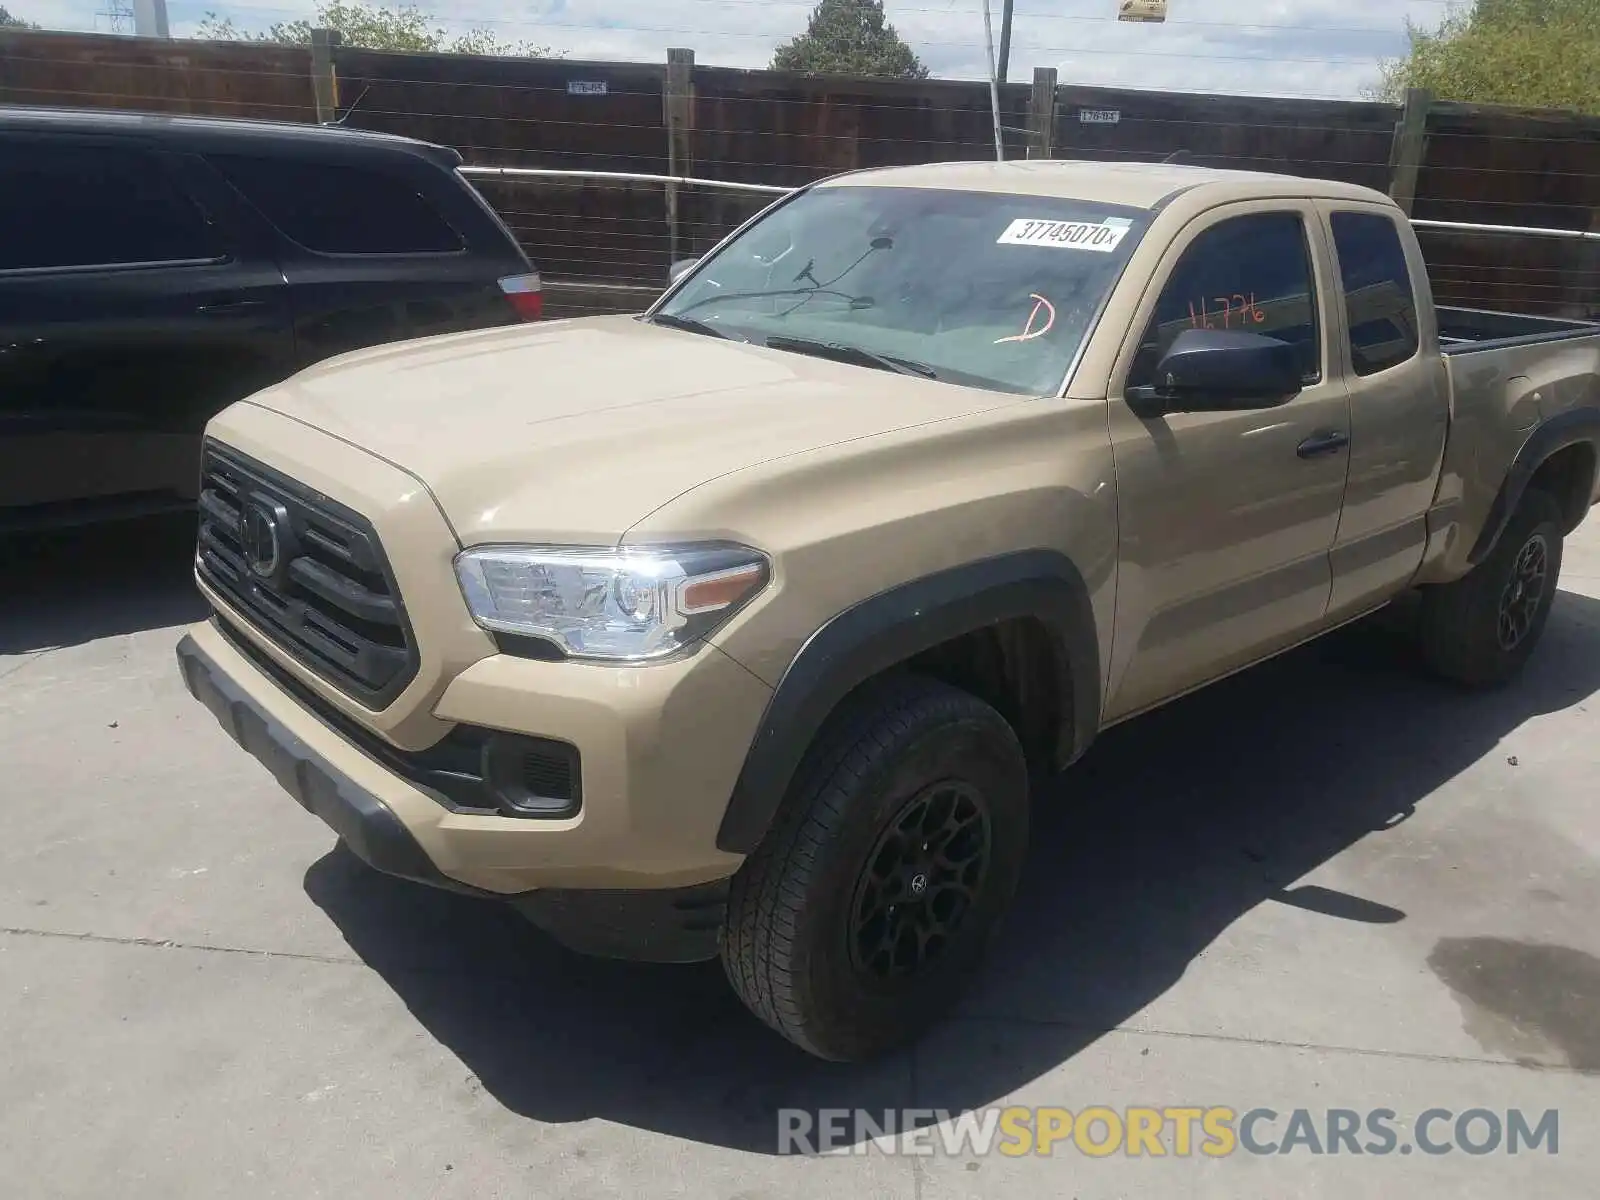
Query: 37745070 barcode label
[[1069, 235]]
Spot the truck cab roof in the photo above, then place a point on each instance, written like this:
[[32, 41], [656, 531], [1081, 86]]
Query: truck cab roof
[[1135, 185]]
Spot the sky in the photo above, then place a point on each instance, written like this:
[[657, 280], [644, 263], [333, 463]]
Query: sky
[[1323, 48]]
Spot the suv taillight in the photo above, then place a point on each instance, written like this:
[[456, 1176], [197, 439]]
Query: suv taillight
[[525, 293]]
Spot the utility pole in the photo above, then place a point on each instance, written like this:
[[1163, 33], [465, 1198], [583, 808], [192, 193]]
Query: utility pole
[[1409, 147], [678, 110], [1005, 41], [150, 18], [994, 90]]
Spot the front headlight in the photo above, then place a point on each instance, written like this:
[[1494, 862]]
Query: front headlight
[[630, 604]]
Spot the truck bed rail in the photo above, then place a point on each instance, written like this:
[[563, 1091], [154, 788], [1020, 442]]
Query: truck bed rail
[[1464, 330]]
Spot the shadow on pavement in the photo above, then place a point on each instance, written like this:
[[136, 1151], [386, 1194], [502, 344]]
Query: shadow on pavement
[[1170, 829], [70, 586]]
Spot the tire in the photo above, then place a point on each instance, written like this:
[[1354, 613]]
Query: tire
[[1466, 632], [900, 754]]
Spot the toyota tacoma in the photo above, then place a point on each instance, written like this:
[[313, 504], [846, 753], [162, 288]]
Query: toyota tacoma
[[738, 628]]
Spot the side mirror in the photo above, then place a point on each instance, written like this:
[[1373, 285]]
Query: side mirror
[[1220, 370], [681, 268]]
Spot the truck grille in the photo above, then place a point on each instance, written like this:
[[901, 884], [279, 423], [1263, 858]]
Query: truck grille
[[308, 572]]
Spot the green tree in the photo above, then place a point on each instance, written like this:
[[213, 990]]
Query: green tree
[[1532, 53], [7, 21], [374, 28], [849, 37]]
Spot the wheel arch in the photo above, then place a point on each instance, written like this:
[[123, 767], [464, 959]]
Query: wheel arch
[[1031, 609], [1559, 456]]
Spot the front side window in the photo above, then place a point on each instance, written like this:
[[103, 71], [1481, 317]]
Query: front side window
[[338, 209], [71, 206], [984, 289], [1378, 298], [1250, 273]]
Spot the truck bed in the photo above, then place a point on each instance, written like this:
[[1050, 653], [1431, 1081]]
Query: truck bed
[[1521, 389], [1467, 330]]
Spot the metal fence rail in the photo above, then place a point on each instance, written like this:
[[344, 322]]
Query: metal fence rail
[[616, 254], [775, 189], [1521, 230], [729, 185]]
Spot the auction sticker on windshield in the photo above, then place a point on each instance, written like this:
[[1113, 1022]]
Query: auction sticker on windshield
[[1102, 236]]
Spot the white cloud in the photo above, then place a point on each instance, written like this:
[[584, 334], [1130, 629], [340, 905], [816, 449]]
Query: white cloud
[[1279, 47]]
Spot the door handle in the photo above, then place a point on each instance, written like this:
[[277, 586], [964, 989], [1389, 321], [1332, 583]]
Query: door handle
[[1323, 443]]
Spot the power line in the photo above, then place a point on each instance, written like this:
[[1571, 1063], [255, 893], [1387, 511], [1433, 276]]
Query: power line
[[117, 14], [1031, 47], [1022, 16], [473, 19], [297, 76]]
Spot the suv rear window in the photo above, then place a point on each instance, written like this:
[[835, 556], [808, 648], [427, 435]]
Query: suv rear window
[[1379, 301], [69, 206], [339, 209]]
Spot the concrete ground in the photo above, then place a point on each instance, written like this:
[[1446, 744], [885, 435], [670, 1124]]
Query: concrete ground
[[1323, 884]]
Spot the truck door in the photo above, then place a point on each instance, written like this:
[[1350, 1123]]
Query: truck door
[[1399, 404], [1226, 519]]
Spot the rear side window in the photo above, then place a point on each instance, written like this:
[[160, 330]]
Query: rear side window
[[1380, 305], [338, 209], [1251, 273], [69, 206]]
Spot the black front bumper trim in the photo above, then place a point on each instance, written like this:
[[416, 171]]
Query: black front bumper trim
[[372, 832]]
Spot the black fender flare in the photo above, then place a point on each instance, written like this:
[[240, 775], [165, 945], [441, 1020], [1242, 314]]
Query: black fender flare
[[1549, 438], [887, 629]]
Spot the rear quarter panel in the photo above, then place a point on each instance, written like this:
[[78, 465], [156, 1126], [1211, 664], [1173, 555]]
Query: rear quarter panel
[[1499, 396]]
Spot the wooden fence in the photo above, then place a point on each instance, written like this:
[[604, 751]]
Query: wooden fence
[[1444, 161]]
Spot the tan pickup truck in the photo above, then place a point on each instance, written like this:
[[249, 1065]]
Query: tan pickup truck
[[740, 627]]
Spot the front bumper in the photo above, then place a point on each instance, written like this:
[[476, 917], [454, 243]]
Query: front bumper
[[364, 822], [635, 874]]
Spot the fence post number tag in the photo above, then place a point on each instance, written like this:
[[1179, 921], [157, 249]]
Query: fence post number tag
[[1102, 236]]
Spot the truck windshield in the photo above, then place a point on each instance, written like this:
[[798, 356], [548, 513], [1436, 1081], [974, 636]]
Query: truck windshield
[[977, 288]]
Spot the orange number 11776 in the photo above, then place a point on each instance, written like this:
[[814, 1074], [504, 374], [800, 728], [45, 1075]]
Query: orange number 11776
[[1237, 311]]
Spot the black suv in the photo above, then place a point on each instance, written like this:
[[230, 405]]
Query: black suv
[[155, 269]]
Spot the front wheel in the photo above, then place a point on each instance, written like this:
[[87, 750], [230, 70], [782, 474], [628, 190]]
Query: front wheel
[[858, 920], [1480, 630]]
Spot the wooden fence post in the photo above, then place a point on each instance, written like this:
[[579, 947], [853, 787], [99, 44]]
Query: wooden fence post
[[679, 100], [324, 81], [1042, 114], [1409, 148]]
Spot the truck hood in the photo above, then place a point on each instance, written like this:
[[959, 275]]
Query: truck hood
[[573, 431]]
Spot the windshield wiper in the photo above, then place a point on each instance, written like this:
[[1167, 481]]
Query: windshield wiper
[[856, 302], [673, 321], [852, 354]]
